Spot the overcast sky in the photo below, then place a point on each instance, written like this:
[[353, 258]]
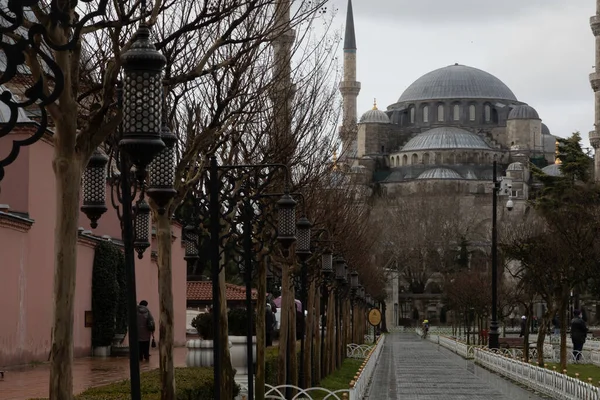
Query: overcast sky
[[543, 50]]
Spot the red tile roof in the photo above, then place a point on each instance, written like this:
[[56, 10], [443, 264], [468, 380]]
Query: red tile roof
[[202, 291]]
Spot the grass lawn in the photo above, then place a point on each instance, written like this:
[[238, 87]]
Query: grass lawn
[[339, 379], [585, 371]]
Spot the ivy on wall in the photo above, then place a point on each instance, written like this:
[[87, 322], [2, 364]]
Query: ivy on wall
[[105, 293]]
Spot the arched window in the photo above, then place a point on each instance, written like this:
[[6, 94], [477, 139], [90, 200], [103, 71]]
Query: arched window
[[488, 113], [426, 114], [440, 116], [415, 159], [456, 112], [426, 158], [412, 115], [404, 159], [471, 112]]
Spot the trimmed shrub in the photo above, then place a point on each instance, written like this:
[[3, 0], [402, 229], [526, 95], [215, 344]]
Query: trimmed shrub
[[237, 320], [105, 292]]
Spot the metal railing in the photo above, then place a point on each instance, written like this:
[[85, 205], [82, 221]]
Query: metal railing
[[358, 387], [354, 350], [551, 383]]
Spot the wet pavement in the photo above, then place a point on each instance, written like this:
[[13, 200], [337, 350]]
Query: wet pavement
[[31, 381], [414, 369]]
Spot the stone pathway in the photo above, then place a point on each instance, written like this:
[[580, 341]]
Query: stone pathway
[[414, 369], [32, 381]]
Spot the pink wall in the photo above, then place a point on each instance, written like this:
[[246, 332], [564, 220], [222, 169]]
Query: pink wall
[[12, 189], [26, 263]]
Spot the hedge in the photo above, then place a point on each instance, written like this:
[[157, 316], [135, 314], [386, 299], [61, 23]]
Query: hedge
[[191, 384], [105, 293], [271, 363]]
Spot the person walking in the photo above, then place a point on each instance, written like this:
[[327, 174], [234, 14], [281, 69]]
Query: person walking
[[523, 326], [579, 332], [270, 326], [146, 327]]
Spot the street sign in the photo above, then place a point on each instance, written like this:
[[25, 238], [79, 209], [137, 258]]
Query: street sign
[[374, 316]]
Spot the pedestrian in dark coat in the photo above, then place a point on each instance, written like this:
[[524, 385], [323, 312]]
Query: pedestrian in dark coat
[[145, 325], [523, 326], [579, 332], [270, 326]]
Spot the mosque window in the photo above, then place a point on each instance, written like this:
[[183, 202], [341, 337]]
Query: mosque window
[[412, 115], [440, 116], [426, 114], [415, 159], [488, 113], [456, 112], [426, 158], [471, 112], [405, 160]]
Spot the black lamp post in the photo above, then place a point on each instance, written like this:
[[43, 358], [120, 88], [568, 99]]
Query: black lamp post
[[354, 289], [326, 271], [303, 252], [286, 236], [139, 142], [494, 334]]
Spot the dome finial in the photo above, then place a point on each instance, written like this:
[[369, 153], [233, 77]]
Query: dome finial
[[374, 104], [556, 154]]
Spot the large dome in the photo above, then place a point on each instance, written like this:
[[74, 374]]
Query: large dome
[[457, 82], [445, 137]]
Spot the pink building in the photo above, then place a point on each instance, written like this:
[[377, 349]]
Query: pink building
[[27, 216]]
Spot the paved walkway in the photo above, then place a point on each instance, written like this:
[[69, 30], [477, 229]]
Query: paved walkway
[[414, 369], [32, 381]]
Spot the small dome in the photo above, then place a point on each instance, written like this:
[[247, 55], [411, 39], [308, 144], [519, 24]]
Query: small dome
[[552, 170], [545, 129], [523, 112], [374, 116], [516, 166], [440, 173], [445, 137]]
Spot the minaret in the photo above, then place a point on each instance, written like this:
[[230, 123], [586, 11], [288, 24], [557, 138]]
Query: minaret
[[595, 81], [349, 88]]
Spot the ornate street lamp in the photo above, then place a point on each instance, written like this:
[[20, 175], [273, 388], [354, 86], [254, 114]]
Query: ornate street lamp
[[340, 265], [162, 168], [303, 234], [327, 263], [354, 281], [142, 226], [286, 232], [191, 245], [303, 252], [94, 188], [142, 105]]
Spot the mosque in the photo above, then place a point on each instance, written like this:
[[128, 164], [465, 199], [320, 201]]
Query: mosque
[[443, 137], [446, 130]]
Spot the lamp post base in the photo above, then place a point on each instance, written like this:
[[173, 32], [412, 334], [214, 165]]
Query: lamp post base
[[494, 335]]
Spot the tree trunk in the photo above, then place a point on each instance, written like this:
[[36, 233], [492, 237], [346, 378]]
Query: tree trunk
[[529, 314], [330, 349], [226, 371], [283, 326], [562, 311], [165, 295], [544, 324], [67, 167], [317, 334], [259, 387], [308, 338], [292, 342]]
